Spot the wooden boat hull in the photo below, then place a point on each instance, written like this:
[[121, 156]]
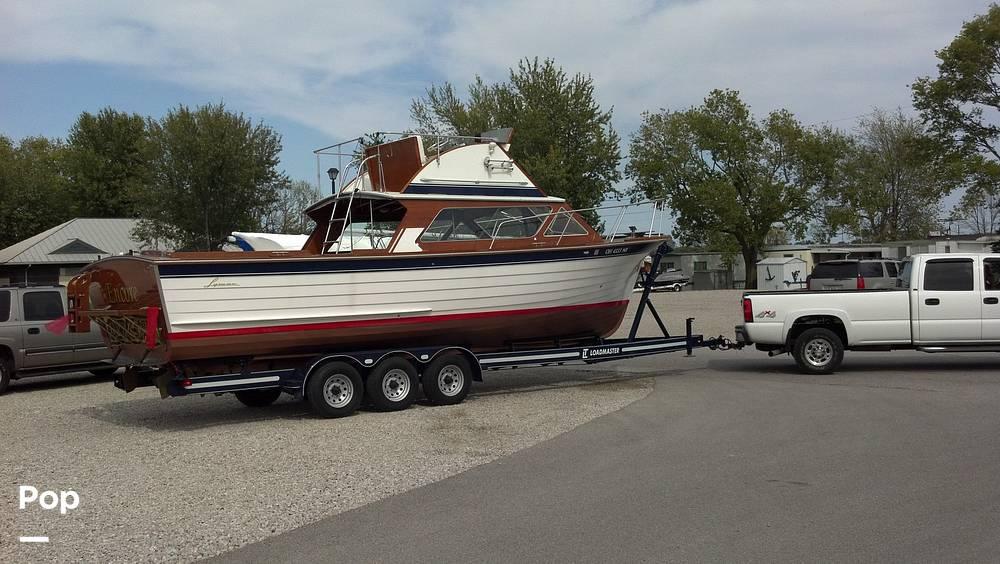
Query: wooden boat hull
[[216, 308]]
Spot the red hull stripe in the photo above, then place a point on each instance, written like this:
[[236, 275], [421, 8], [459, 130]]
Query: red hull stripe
[[388, 321]]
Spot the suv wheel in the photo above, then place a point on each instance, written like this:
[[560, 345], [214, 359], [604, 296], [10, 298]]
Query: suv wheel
[[6, 373]]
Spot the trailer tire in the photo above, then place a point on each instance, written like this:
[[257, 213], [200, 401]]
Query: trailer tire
[[447, 379], [6, 372], [335, 389], [258, 398], [392, 384], [818, 351]]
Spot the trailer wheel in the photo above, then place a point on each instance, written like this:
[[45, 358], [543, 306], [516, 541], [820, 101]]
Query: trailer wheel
[[334, 390], [258, 398], [392, 384], [446, 380], [818, 351]]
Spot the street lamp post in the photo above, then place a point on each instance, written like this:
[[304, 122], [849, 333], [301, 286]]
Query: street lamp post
[[332, 173]]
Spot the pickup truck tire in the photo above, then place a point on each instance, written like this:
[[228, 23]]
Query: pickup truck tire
[[818, 351], [258, 398], [392, 384], [335, 389], [6, 373], [447, 379]]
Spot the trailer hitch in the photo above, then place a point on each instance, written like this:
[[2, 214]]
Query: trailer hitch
[[722, 343]]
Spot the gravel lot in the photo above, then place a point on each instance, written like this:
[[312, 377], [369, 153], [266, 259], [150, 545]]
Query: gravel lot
[[179, 479]]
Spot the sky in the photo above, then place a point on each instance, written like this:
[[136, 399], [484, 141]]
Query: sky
[[320, 72]]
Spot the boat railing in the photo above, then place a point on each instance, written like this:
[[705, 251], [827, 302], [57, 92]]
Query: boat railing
[[433, 145], [658, 207]]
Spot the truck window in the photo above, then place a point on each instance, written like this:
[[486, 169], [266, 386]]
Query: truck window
[[836, 270], [42, 306], [871, 269], [4, 305], [991, 274], [890, 268], [948, 275]]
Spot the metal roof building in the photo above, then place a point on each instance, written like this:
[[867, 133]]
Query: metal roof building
[[56, 255]]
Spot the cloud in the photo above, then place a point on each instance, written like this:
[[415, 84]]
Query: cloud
[[344, 68]]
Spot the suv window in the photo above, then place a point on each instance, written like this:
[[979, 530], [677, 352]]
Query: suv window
[[871, 269], [948, 275], [890, 267], [42, 306], [4, 305], [836, 270]]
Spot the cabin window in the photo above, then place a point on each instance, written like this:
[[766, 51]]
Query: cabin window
[[471, 224], [948, 275], [565, 224]]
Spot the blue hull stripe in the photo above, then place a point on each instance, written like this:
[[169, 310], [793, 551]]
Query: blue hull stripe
[[526, 192], [391, 263]]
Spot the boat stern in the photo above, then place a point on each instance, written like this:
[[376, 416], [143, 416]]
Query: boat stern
[[121, 295]]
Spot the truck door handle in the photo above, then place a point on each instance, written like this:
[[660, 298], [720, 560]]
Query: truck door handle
[[991, 300], [33, 331], [932, 301]]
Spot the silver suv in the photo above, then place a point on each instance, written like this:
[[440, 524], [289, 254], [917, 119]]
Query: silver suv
[[28, 348], [857, 274]]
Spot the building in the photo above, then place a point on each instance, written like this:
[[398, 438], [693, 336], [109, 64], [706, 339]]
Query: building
[[56, 255], [899, 250]]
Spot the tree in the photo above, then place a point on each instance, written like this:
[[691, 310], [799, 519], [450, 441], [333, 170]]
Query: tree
[[894, 180], [979, 207], [728, 178], [214, 172], [960, 104], [288, 213], [563, 139], [107, 162], [32, 188]]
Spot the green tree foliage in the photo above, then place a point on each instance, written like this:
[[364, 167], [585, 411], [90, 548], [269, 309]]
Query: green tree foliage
[[729, 178], [33, 193], [961, 103], [979, 207], [213, 172], [288, 213], [894, 182], [562, 138], [107, 163]]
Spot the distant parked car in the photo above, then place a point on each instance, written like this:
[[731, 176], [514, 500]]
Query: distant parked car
[[28, 347], [856, 274]]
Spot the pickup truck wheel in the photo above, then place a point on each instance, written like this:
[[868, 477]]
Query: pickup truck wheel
[[258, 398], [446, 380], [392, 384], [335, 390], [818, 351], [6, 372]]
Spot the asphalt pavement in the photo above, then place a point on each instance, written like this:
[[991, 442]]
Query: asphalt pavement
[[735, 457]]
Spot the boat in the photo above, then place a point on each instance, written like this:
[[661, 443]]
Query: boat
[[435, 240], [669, 280]]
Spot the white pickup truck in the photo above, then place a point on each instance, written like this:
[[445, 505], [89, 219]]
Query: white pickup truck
[[942, 303]]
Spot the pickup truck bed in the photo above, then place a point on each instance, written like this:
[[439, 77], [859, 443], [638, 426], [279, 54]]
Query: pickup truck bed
[[944, 303]]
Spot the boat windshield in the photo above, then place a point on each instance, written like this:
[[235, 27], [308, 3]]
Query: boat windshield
[[370, 225]]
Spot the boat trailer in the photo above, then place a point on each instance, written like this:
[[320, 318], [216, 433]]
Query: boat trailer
[[444, 371]]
